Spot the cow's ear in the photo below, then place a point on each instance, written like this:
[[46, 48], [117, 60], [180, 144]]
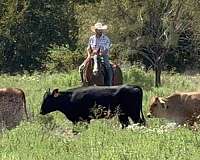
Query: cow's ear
[[55, 93], [161, 101]]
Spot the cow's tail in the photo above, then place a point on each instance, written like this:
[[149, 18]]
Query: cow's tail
[[25, 109], [142, 119]]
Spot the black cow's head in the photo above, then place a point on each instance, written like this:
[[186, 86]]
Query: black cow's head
[[50, 102]]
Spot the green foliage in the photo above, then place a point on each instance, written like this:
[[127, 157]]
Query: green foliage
[[83, 2], [87, 15], [137, 76], [31, 27], [184, 55], [118, 54], [62, 59]]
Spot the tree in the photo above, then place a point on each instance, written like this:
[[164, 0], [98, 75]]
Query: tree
[[168, 22], [151, 29], [32, 27], [11, 13]]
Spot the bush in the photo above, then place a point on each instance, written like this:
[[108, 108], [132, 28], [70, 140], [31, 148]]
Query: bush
[[118, 53], [137, 76], [62, 59]]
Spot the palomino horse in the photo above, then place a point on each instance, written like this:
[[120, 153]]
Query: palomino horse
[[97, 76]]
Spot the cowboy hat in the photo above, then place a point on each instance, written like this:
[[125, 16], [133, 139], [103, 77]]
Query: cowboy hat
[[99, 26]]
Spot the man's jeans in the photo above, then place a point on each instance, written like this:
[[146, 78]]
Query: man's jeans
[[109, 77]]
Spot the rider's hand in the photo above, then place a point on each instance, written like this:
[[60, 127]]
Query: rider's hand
[[95, 51]]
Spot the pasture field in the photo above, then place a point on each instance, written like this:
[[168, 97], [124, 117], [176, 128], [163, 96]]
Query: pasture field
[[51, 137]]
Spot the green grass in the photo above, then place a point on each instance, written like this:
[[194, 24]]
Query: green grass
[[51, 137]]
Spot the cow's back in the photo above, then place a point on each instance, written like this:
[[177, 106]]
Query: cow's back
[[187, 100], [12, 107], [191, 101], [184, 106]]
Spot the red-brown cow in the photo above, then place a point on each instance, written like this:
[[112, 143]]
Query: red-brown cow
[[12, 107]]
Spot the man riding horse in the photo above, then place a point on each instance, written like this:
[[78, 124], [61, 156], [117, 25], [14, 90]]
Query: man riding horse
[[99, 44]]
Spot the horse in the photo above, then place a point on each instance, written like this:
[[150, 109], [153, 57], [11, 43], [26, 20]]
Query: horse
[[96, 74]]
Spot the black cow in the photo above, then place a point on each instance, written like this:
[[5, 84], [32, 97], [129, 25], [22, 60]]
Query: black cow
[[78, 104]]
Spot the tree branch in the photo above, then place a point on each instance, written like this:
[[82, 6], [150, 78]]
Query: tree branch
[[124, 13]]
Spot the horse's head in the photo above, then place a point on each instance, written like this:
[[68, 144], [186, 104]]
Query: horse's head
[[97, 65], [93, 72]]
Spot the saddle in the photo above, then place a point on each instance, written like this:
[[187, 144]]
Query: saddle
[[87, 70]]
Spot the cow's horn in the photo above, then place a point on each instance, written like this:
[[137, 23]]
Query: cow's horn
[[161, 100]]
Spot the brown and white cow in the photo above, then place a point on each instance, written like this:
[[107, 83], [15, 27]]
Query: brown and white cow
[[179, 107], [12, 107]]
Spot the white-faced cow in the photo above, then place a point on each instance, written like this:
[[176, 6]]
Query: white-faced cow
[[12, 107], [78, 104], [179, 107]]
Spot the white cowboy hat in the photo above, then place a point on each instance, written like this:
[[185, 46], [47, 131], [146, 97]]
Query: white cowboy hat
[[99, 26]]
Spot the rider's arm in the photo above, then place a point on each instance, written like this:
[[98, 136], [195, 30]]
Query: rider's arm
[[89, 51], [106, 46]]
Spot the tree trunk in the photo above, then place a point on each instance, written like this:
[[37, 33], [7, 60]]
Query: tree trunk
[[158, 69], [158, 75]]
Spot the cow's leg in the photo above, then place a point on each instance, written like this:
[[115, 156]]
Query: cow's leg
[[134, 110], [136, 117], [85, 116], [123, 119]]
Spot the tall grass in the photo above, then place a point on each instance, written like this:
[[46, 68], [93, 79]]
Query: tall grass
[[52, 136]]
